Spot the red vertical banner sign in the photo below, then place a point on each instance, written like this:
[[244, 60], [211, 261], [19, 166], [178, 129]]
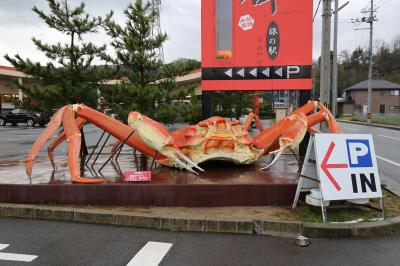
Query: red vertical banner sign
[[256, 44]]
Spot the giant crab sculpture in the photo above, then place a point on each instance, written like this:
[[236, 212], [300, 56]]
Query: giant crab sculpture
[[212, 139]]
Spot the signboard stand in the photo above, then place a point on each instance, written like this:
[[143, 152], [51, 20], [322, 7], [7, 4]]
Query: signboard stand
[[309, 176], [310, 179]]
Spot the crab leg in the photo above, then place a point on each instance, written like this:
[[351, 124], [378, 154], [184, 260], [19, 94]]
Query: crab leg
[[52, 126], [73, 135], [158, 138], [65, 115], [60, 138], [290, 131], [252, 116]]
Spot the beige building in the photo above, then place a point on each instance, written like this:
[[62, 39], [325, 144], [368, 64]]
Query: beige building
[[385, 98], [8, 89]]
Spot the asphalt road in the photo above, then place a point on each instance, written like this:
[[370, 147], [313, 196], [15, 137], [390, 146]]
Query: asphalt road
[[59, 243], [17, 140], [387, 148]]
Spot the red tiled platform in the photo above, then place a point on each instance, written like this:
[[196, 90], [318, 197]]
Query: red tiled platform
[[223, 184]]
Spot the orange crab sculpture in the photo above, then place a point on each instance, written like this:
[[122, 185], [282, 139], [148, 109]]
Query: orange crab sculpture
[[212, 139]]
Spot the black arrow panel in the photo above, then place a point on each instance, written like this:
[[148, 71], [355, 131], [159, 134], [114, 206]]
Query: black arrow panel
[[263, 72]]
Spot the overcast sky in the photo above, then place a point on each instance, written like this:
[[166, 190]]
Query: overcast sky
[[181, 20]]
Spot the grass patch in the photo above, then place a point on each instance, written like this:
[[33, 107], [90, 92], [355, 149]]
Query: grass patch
[[343, 213], [378, 119]]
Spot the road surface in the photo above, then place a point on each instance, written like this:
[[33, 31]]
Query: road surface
[[59, 243]]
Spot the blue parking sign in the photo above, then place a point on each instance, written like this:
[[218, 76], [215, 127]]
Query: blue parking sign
[[359, 153]]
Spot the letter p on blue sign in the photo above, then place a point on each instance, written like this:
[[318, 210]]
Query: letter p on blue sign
[[359, 153]]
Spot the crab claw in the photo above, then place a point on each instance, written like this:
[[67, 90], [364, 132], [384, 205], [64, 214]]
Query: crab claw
[[158, 138]]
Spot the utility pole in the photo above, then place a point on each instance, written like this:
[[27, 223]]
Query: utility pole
[[335, 52], [334, 63], [370, 20], [371, 29], [325, 55]]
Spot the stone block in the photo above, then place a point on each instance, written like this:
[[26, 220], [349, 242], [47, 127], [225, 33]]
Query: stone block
[[381, 228], [94, 217], [137, 221], [277, 228], [325, 230]]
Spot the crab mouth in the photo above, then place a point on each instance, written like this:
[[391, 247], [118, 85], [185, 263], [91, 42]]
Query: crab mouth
[[216, 145]]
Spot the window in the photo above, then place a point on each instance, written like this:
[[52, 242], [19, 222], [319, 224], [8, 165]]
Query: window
[[382, 108], [394, 93], [224, 29], [381, 92], [396, 107]]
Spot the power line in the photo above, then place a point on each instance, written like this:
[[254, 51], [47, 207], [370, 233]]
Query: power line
[[316, 11]]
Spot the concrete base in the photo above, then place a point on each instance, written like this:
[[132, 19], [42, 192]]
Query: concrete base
[[222, 184]]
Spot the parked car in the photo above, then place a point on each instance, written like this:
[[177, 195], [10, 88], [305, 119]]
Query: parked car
[[17, 116]]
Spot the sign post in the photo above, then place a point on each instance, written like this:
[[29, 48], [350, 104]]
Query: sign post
[[345, 168]]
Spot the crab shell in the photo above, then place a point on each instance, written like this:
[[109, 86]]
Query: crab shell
[[211, 139]]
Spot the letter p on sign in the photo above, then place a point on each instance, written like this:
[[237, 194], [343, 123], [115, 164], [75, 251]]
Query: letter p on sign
[[359, 153]]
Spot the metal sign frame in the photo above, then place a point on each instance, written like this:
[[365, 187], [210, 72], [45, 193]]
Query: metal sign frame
[[309, 179]]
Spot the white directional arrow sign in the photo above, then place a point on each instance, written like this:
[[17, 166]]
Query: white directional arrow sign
[[14, 256], [229, 72], [254, 72], [266, 72], [241, 72], [279, 72]]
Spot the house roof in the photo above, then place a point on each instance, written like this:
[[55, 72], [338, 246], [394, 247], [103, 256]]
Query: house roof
[[378, 84]]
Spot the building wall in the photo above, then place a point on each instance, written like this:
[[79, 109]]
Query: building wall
[[379, 97], [346, 108], [7, 86]]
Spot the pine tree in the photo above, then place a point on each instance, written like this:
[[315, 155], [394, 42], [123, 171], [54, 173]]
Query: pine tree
[[151, 85], [69, 77]]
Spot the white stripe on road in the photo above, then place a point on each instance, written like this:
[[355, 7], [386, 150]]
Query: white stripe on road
[[389, 137], [3, 246], [14, 256], [10, 139], [151, 254], [387, 160]]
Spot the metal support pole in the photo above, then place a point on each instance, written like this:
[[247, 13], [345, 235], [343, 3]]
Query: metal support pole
[[335, 63], [154, 160], [101, 149], [325, 57], [95, 147], [84, 150], [369, 101], [116, 150]]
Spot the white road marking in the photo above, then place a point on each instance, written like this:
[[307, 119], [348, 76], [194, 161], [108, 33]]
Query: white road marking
[[3, 246], [151, 254], [389, 137], [6, 139], [387, 160], [14, 256]]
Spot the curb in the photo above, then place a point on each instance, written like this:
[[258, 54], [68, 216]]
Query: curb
[[370, 125], [202, 223]]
